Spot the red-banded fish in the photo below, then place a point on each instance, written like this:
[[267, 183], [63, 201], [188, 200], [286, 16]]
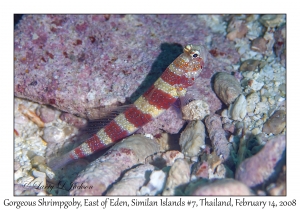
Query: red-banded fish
[[171, 85]]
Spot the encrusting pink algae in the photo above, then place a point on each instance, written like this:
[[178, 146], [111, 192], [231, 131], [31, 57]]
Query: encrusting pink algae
[[71, 63]]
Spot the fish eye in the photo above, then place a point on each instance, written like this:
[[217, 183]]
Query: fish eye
[[195, 55]]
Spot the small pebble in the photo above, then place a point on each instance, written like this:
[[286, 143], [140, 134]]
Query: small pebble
[[239, 125], [42, 193], [252, 99], [238, 110], [220, 172], [20, 173], [259, 122], [50, 173], [271, 101], [255, 131], [179, 174], [236, 29], [227, 87], [192, 138], [201, 170], [248, 74], [263, 98], [164, 140], [228, 127], [155, 185], [42, 167], [271, 20], [46, 114], [250, 65], [224, 113], [53, 134], [38, 174], [213, 161], [276, 123], [259, 45], [255, 85], [261, 107], [195, 110], [17, 165], [37, 160]]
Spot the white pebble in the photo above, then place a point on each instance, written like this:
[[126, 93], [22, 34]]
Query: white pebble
[[50, 173], [261, 107], [224, 113], [192, 138], [38, 174], [271, 101], [256, 131], [42, 193], [254, 85], [231, 138], [195, 110], [277, 83], [238, 110], [148, 136], [155, 185], [248, 74], [20, 173], [179, 174]]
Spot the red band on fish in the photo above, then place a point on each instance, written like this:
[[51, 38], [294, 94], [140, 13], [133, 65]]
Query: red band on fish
[[95, 144], [79, 153], [114, 131], [173, 79], [72, 156], [136, 117], [159, 98]]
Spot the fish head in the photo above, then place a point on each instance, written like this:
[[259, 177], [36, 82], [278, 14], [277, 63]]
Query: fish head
[[195, 57]]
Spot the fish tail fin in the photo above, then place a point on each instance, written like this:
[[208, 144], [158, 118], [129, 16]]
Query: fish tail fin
[[60, 162]]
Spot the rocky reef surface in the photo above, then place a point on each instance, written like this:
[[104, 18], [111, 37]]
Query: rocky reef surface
[[69, 68]]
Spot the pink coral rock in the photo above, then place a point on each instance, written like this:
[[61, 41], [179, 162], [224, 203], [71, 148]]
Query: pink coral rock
[[78, 62], [217, 136], [258, 168], [222, 187], [132, 181]]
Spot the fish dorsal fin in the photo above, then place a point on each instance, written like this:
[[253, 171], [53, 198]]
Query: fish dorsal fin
[[102, 116]]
